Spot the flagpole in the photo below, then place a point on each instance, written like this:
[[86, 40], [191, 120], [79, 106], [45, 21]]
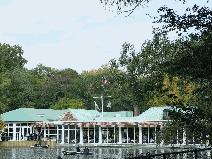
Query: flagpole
[[102, 101]]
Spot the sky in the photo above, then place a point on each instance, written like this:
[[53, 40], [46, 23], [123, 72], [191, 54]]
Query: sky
[[81, 35]]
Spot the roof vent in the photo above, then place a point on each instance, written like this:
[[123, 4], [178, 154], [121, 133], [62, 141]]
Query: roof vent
[[118, 115], [41, 115]]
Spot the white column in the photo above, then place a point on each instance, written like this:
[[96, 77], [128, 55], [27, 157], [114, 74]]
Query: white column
[[63, 136], [75, 134], [107, 134], [155, 135], [177, 137], [148, 134], [114, 136], [20, 133], [127, 135], [81, 135], [100, 135], [184, 136], [134, 135], [94, 133], [88, 135], [68, 135], [44, 132], [14, 131], [30, 130], [57, 134], [140, 135], [120, 136]]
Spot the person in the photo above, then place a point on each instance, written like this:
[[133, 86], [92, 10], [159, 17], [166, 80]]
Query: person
[[59, 157], [78, 149], [148, 155], [141, 155], [86, 150]]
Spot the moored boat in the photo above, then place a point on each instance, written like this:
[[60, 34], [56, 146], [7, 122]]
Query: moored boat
[[39, 146], [76, 153]]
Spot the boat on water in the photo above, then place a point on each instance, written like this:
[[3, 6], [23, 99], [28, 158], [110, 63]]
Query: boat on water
[[76, 153], [39, 146]]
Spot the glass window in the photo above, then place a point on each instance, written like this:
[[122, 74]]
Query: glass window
[[71, 126], [10, 129]]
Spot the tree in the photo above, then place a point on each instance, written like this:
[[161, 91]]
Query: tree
[[175, 92], [2, 125], [191, 61], [122, 4], [65, 103], [11, 57], [18, 90], [52, 88]]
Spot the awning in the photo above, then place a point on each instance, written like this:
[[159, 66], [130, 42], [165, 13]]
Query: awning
[[148, 124], [70, 123], [107, 124], [127, 124], [87, 124], [42, 125]]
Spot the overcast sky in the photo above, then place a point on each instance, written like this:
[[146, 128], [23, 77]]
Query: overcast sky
[[76, 34]]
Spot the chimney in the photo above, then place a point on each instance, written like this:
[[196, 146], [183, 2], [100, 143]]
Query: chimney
[[136, 112]]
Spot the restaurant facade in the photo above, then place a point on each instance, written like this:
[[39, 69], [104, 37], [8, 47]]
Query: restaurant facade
[[84, 126]]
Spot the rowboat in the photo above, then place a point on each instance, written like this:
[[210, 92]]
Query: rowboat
[[39, 146], [76, 153]]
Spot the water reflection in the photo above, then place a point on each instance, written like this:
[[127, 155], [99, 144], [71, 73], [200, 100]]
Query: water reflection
[[98, 153]]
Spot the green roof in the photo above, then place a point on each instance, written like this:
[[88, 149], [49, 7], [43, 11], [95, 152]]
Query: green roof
[[153, 114], [31, 114], [85, 115], [118, 114], [42, 115]]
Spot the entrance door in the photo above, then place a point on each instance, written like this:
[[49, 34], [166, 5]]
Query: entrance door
[[25, 133]]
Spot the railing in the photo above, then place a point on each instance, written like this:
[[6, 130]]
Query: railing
[[195, 153]]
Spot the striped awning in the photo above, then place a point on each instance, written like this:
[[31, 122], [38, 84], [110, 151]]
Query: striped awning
[[107, 124], [148, 124], [87, 124], [127, 124], [42, 125], [74, 123]]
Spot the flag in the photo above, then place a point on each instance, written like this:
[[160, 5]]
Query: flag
[[104, 80]]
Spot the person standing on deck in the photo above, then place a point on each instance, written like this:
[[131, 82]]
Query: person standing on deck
[[78, 149]]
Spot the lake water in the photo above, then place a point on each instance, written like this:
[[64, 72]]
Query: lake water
[[98, 153]]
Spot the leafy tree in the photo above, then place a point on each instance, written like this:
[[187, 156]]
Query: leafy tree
[[65, 103], [4, 83], [2, 125], [175, 92], [42, 71], [11, 57], [123, 5], [191, 61], [18, 92], [141, 71]]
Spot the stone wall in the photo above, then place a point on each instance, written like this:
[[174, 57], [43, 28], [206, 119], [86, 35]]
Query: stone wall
[[52, 144]]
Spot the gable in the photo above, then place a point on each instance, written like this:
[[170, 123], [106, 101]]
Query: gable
[[68, 117]]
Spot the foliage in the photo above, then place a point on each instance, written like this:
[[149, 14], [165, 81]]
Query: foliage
[[175, 92], [65, 103], [122, 4], [2, 125], [11, 57], [191, 61]]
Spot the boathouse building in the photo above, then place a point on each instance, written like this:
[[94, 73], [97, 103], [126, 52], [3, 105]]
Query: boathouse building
[[85, 126]]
